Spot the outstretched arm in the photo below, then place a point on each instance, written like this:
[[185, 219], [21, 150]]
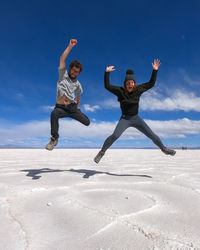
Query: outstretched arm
[[111, 88], [64, 55], [145, 86]]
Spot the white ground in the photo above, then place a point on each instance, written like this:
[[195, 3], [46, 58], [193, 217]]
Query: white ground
[[132, 200]]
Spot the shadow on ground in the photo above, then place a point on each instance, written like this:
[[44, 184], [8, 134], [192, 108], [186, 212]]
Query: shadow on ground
[[37, 173], [87, 173]]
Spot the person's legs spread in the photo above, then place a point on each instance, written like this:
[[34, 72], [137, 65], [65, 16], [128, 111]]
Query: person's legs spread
[[55, 115], [141, 125], [78, 115], [120, 128], [62, 111]]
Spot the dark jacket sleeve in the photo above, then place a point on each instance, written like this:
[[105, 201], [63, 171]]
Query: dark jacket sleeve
[[113, 89], [145, 86]]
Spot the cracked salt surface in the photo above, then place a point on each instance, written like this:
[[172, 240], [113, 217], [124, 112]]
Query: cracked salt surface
[[62, 200], [12, 233]]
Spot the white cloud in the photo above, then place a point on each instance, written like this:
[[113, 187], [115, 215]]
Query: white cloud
[[167, 99], [175, 128], [110, 103], [184, 75], [39, 131], [47, 108], [179, 100], [152, 100], [87, 107], [19, 96]]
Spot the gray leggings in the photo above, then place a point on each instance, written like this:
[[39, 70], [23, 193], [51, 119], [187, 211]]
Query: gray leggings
[[136, 122]]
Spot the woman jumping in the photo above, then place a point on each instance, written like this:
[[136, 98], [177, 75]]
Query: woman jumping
[[129, 97]]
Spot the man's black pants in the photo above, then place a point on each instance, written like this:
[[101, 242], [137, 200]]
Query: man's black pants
[[61, 111]]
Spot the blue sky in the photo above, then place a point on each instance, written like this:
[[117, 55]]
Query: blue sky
[[127, 34]]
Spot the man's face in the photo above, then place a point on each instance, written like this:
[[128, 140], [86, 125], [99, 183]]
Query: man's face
[[130, 85], [74, 72]]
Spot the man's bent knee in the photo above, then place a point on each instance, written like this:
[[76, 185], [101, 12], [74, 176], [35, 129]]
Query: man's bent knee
[[87, 122]]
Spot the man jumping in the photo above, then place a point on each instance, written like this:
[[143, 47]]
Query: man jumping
[[66, 106]]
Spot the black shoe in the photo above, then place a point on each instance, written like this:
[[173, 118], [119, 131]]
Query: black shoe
[[99, 156], [168, 151]]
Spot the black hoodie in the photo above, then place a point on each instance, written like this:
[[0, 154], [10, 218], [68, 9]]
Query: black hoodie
[[129, 102]]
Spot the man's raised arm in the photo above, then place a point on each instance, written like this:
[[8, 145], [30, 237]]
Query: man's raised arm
[[64, 55]]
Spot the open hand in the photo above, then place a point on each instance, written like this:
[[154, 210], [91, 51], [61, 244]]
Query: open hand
[[110, 68], [156, 64], [72, 42]]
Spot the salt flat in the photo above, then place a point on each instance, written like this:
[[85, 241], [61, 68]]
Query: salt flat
[[133, 199]]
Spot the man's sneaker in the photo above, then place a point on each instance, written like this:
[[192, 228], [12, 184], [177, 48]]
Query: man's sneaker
[[53, 142], [168, 151], [98, 157]]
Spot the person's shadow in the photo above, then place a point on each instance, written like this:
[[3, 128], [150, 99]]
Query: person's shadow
[[87, 173], [36, 173]]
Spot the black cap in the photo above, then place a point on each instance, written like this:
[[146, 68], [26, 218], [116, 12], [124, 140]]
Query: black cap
[[129, 75]]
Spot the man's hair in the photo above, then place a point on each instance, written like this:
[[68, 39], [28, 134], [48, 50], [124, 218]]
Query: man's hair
[[76, 64]]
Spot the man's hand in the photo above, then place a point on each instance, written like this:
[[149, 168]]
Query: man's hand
[[156, 64], [72, 43], [77, 101], [110, 68]]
